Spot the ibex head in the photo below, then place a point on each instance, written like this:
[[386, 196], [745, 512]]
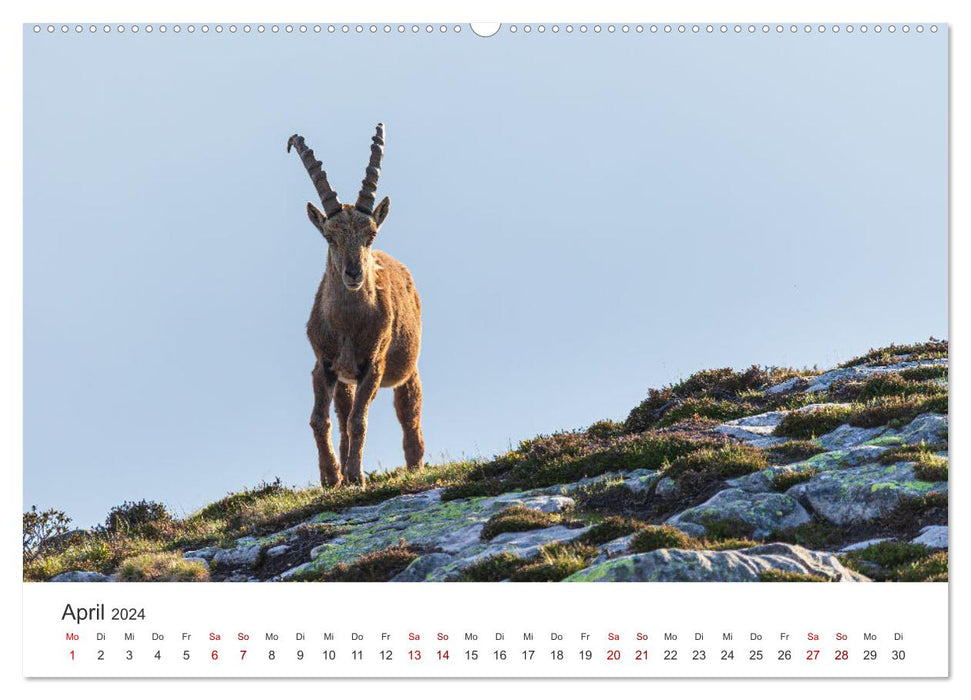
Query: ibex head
[[349, 229]]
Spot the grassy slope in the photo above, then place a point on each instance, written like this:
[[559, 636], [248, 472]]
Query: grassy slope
[[669, 430]]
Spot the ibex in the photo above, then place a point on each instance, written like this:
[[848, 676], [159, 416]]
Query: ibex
[[365, 326]]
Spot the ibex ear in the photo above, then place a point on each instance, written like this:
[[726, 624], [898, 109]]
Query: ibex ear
[[318, 219], [381, 211]]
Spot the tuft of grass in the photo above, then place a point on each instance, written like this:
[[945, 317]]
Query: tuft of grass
[[892, 384], [786, 479], [518, 519], [383, 565], [497, 568], [555, 562], [806, 425], [794, 451], [780, 576], [731, 543], [662, 537], [898, 561], [931, 568], [714, 409], [161, 566], [610, 528], [931, 350], [816, 534], [923, 373], [886, 410]]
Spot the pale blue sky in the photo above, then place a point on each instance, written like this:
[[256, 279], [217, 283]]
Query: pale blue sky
[[585, 216]]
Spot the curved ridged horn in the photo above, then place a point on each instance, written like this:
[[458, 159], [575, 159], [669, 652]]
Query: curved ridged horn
[[327, 196], [369, 185]]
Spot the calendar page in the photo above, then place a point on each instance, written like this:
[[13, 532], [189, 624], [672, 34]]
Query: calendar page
[[644, 373]]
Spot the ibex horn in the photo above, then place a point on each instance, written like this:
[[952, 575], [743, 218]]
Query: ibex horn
[[327, 196], [369, 185]]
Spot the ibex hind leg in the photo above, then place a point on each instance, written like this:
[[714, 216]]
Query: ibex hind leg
[[324, 381], [343, 402], [407, 404]]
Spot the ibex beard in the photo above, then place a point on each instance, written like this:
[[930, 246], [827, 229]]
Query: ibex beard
[[365, 326]]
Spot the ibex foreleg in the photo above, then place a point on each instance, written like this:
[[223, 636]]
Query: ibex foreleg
[[407, 404], [343, 403], [367, 389], [324, 381]]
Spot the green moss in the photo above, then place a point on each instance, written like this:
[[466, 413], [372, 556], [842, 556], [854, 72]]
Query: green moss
[[555, 562], [780, 576], [382, 565], [497, 568], [610, 528], [785, 479], [794, 451], [662, 537], [518, 519], [161, 566]]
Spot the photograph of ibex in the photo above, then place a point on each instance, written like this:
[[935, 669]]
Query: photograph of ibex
[[365, 326], [651, 307]]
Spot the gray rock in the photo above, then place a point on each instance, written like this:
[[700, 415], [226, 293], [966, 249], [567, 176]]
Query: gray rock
[[424, 566], [609, 550], [933, 536], [277, 551], [731, 565], [641, 480], [530, 540], [763, 512], [784, 386], [861, 494], [846, 436], [754, 430], [206, 553], [80, 577], [926, 428], [244, 556], [667, 489]]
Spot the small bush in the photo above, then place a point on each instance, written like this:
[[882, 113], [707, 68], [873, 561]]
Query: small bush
[[933, 349], [609, 529], [161, 566], [931, 568], [816, 534], [885, 385], [923, 373], [889, 554], [714, 409], [555, 562], [40, 527], [132, 515], [497, 568], [662, 537], [517, 519], [724, 462], [780, 576], [931, 467], [806, 425], [605, 430]]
